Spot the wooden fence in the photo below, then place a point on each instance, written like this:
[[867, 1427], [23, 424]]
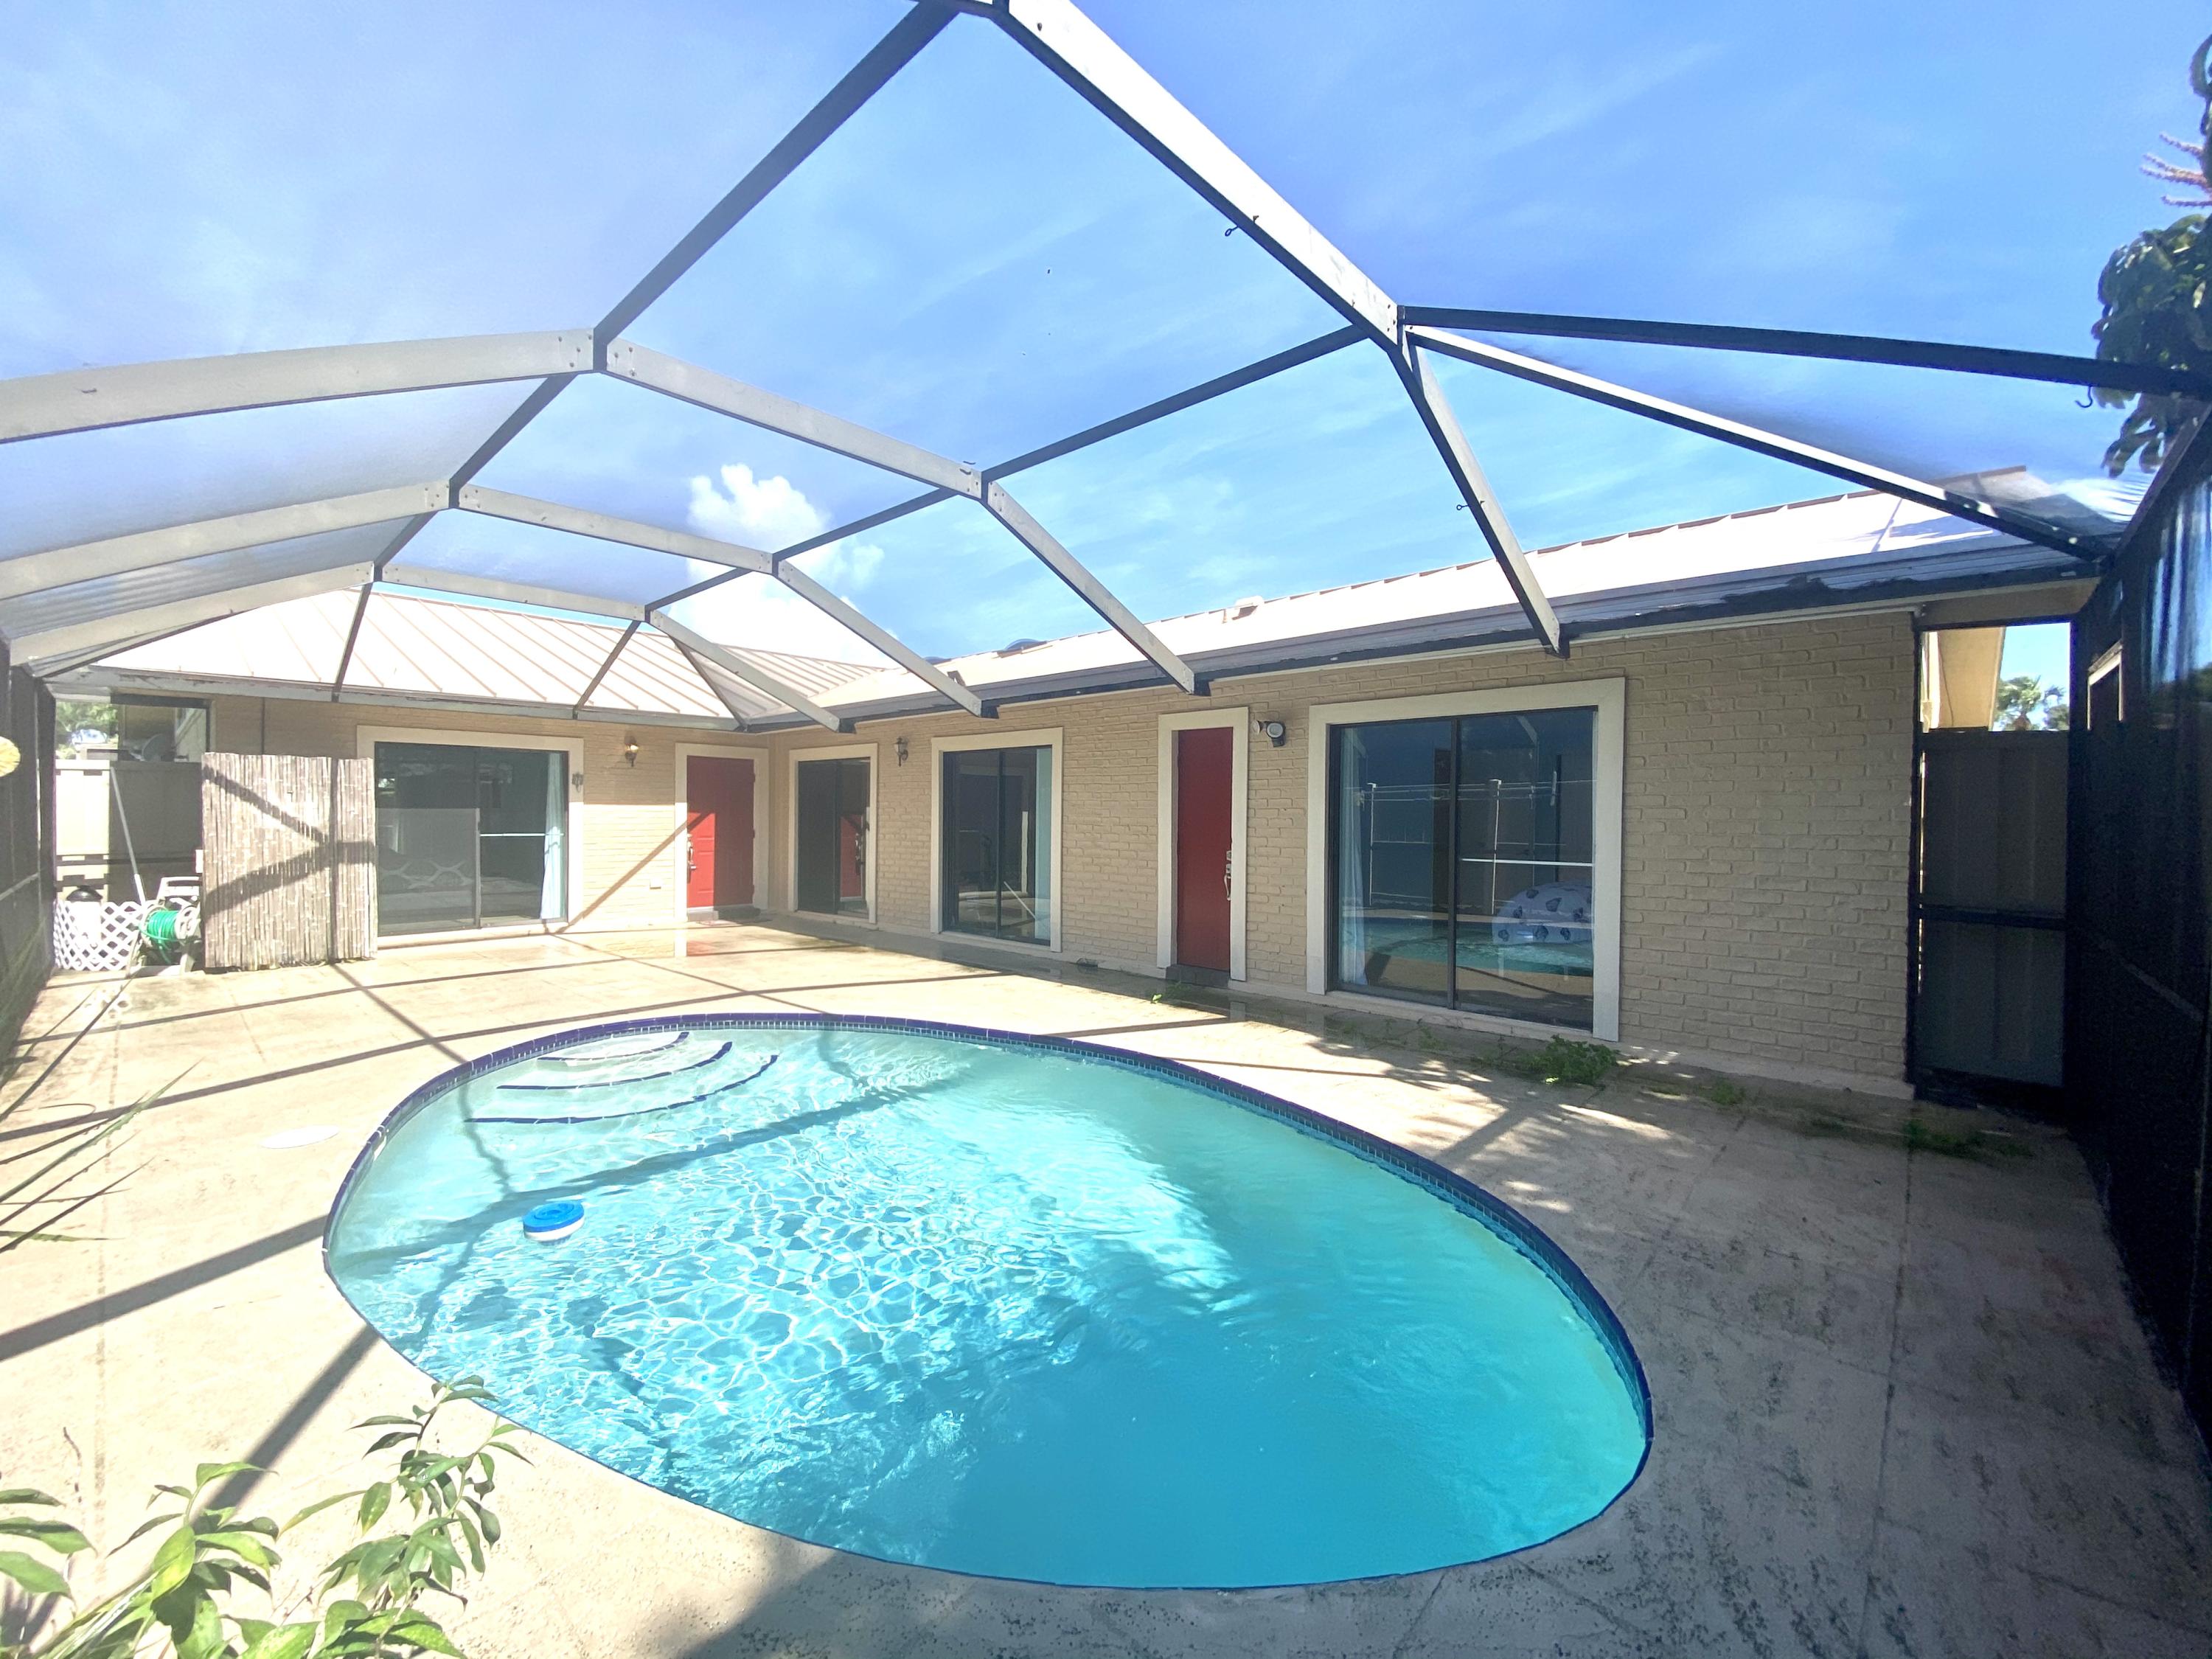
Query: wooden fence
[[289, 860]]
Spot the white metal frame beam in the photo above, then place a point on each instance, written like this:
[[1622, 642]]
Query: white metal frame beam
[[601, 527], [469, 585], [1973, 508], [708, 390], [703, 387], [740, 561], [114, 632], [698, 646], [116, 555], [1174, 404], [85, 399]]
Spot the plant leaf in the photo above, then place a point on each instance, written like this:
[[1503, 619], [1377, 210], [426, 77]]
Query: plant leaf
[[418, 1631], [374, 1503], [173, 1564], [281, 1642], [28, 1495], [208, 1473], [57, 1535], [149, 1524], [319, 1505], [33, 1575]]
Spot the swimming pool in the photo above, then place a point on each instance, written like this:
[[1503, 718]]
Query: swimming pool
[[1001, 1305]]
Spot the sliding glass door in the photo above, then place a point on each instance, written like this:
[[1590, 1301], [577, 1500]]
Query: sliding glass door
[[831, 848], [1463, 856], [996, 841], [469, 837]]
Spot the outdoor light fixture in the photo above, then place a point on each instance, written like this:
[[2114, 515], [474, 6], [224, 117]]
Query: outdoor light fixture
[[899, 749], [1275, 731], [630, 750]]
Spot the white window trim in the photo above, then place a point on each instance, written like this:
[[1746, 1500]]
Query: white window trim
[[1041, 737], [1239, 722], [1607, 697], [866, 752], [763, 796], [365, 738]]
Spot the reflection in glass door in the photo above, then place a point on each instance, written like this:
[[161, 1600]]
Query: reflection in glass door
[[1464, 863], [469, 837], [997, 843], [830, 853]]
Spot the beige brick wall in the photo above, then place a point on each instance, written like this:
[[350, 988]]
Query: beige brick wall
[[1765, 823], [625, 821]]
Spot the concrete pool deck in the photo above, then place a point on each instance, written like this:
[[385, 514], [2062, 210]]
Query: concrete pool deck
[[1903, 1404]]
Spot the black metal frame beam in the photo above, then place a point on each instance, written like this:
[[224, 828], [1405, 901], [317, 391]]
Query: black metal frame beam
[[2054, 367]]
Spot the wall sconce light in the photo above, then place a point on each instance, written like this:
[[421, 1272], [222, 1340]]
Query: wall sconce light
[[1275, 731], [630, 750], [899, 749]]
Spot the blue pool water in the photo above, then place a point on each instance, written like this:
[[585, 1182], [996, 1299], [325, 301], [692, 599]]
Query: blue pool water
[[984, 1304]]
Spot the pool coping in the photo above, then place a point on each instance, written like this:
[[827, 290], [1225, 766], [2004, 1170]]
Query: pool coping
[[1508, 1223]]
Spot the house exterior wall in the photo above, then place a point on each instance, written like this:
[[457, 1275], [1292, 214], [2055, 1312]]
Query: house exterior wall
[[1767, 807], [1765, 823], [624, 821]]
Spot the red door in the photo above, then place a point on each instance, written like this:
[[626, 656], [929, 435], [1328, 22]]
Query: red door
[[717, 810], [1204, 756]]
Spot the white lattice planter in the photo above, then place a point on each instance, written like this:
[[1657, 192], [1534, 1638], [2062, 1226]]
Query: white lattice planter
[[98, 937]]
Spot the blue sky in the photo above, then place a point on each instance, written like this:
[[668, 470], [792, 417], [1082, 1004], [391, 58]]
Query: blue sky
[[978, 262]]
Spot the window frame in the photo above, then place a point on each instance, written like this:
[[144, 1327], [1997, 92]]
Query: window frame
[[1044, 737], [1608, 697]]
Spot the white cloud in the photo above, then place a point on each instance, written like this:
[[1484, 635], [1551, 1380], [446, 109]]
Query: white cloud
[[768, 512], [735, 505]]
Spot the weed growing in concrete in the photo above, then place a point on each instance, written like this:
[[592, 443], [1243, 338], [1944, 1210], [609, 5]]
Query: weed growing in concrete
[[1559, 1061], [1921, 1136]]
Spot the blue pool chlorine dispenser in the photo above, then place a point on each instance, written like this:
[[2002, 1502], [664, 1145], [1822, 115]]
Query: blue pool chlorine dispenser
[[555, 1220]]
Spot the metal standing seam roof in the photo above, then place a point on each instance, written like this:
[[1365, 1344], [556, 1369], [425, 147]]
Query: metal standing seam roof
[[1844, 551]]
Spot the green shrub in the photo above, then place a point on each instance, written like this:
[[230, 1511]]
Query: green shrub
[[365, 1604]]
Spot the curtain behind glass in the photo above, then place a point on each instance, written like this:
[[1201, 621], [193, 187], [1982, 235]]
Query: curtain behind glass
[[553, 892]]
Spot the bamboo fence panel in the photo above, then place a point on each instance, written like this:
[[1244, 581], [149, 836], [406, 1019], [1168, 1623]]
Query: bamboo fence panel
[[289, 873]]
